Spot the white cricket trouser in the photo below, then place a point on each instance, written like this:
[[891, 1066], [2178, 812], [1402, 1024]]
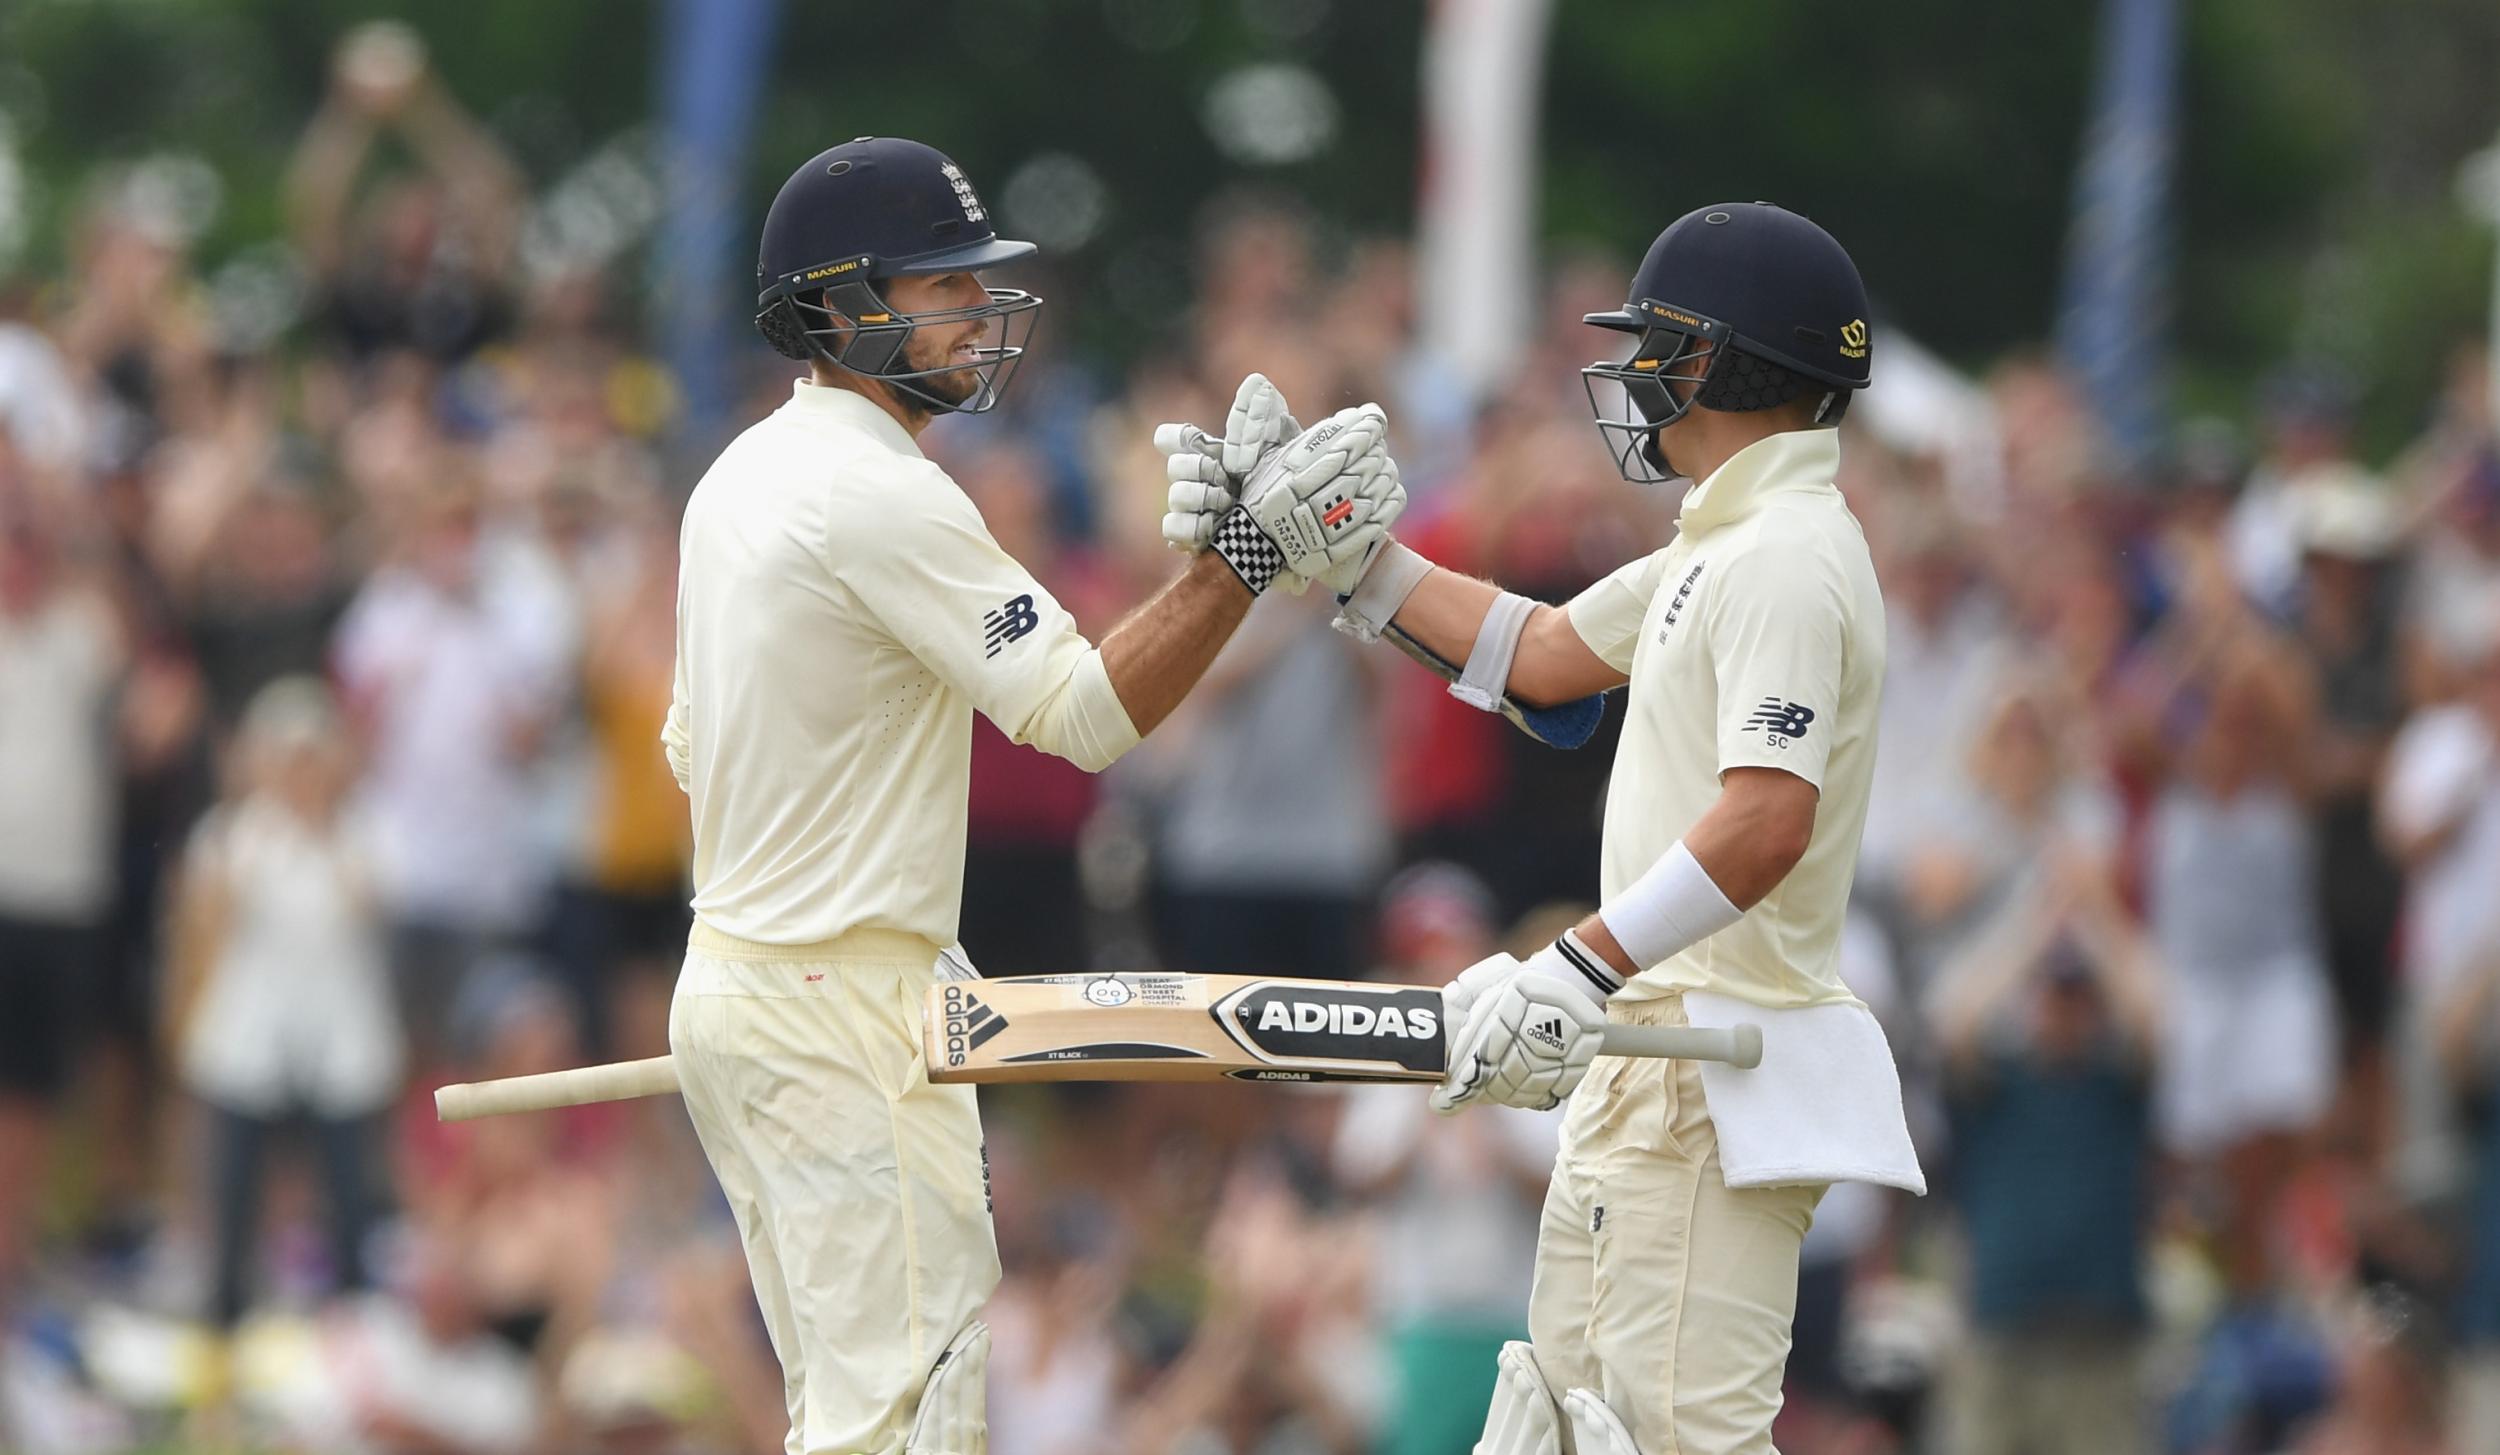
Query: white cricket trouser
[[861, 1190], [1658, 1285]]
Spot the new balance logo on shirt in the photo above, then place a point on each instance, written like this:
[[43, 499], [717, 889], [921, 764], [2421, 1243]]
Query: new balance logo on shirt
[[1779, 721], [1009, 623]]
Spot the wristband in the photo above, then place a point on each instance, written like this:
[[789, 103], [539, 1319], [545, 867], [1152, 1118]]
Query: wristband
[[1670, 909], [1602, 980], [1254, 558], [1393, 575]]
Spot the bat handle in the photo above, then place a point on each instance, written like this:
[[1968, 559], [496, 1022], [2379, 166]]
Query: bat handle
[[1738, 1045]]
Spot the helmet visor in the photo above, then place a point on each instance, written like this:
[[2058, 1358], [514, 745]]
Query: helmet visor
[[954, 360], [1633, 399]]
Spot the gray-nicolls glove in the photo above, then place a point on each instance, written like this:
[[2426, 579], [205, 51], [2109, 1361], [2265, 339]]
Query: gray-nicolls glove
[[1316, 508]]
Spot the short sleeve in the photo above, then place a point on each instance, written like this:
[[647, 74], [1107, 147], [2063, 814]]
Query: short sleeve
[[1608, 615], [1778, 633], [933, 576]]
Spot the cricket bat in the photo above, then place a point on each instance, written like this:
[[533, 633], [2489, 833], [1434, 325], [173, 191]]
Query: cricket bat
[[1162, 1027], [1153, 1027]]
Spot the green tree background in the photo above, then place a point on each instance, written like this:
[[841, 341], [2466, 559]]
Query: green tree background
[[2317, 209]]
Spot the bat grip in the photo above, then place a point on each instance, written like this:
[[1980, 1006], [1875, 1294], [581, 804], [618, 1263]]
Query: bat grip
[[1739, 1046], [615, 1081]]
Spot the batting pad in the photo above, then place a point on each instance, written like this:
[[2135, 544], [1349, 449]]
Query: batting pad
[[952, 1419], [1595, 1428], [1522, 1419]]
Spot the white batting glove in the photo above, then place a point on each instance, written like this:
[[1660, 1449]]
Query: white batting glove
[[1316, 506], [1523, 1033], [1205, 471]]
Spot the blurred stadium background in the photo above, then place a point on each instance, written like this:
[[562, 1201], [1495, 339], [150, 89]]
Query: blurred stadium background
[[353, 362]]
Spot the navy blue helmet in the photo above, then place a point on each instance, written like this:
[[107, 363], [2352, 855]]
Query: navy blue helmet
[[869, 210], [1750, 303]]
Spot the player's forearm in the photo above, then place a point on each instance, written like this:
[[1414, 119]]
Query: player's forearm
[[1446, 611], [1744, 845], [1155, 656]]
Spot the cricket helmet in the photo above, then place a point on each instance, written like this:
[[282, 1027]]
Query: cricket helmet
[[1770, 298], [856, 215]]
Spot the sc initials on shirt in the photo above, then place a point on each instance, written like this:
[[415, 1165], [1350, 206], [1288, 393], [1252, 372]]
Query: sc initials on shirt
[[1779, 721], [1012, 622]]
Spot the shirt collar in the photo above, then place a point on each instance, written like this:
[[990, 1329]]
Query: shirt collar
[[1797, 459], [811, 400]]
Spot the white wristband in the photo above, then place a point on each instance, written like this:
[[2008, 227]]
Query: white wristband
[[1391, 577], [1670, 909]]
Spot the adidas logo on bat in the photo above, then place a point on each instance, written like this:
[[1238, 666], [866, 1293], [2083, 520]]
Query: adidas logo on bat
[[1382, 1025], [1342, 1019], [969, 1024]]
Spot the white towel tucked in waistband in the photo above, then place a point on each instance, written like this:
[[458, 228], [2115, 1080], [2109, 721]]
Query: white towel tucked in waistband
[[1824, 1105]]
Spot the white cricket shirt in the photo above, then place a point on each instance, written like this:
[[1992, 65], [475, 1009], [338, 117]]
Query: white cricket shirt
[[1755, 639], [841, 612]]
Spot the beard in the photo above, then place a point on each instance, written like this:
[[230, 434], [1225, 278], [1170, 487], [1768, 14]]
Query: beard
[[955, 385]]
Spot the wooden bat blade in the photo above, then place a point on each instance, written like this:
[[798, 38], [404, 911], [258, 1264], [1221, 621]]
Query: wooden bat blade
[[1162, 1027]]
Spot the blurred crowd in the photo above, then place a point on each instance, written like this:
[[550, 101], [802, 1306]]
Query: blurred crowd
[[332, 670]]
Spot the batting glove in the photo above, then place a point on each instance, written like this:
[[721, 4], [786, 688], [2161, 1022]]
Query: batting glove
[[1206, 471], [1319, 504], [1525, 1033]]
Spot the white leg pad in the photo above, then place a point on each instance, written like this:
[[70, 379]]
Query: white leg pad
[[952, 1418], [1522, 1419], [1595, 1429]]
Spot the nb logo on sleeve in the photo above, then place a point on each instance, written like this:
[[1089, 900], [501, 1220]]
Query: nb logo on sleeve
[[1010, 623], [1779, 721]]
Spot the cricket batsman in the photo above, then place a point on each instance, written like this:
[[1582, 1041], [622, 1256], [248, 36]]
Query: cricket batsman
[[1753, 646], [841, 613]]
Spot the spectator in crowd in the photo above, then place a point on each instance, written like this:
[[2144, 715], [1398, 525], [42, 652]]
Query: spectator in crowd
[[1272, 842], [2389, 1387], [529, 1202], [2024, 800], [2439, 814], [2445, 798], [2048, 1022], [1459, 1199], [281, 1010], [2450, 483], [133, 332], [422, 1373], [2309, 407], [2248, 1066], [449, 658], [422, 264], [2345, 627], [62, 655], [623, 914], [1945, 655]]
